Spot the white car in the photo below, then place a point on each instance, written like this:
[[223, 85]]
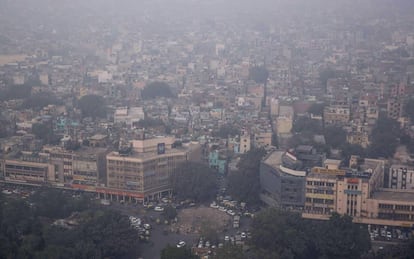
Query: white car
[[243, 235], [181, 244], [231, 212], [147, 226], [214, 205], [226, 238], [158, 208]]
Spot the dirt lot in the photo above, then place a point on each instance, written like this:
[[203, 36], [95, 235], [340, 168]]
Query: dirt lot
[[192, 220]]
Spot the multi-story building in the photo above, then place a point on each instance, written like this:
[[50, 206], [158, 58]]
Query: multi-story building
[[26, 172], [129, 115], [321, 188], [401, 177], [144, 172], [245, 142], [358, 138], [357, 191], [80, 169], [282, 179], [263, 139], [395, 108], [336, 115]]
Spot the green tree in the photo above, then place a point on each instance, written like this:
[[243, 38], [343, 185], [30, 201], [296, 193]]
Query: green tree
[[340, 238], [283, 234], [156, 89], [44, 131], [149, 122], [335, 136], [306, 124], [409, 109], [352, 149], [317, 109], [55, 204], [259, 74], [244, 184], [172, 252], [169, 212], [16, 92], [98, 234], [111, 234], [226, 130], [230, 251], [92, 106], [210, 232], [384, 138], [40, 100], [194, 181], [325, 75]]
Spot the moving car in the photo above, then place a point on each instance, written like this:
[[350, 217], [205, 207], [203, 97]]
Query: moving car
[[158, 208]]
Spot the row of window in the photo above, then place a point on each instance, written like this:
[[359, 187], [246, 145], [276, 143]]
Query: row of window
[[396, 216], [397, 207], [319, 191], [320, 201], [320, 183]]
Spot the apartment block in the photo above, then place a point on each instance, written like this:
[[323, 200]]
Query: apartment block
[[336, 115]]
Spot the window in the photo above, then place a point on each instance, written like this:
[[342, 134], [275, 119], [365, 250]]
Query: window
[[402, 207], [385, 206]]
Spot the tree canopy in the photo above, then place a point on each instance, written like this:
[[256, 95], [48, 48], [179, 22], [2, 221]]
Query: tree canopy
[[306, 124], [259, 74], [172, 252], [39, 100], [194, 181], [384, 138], [352, 149], [317, 108], [92, 106], [409, 109], [325, 75], [16, 92], [26, 230], [44, 131], [156, 89], [226, 130], [335, 136], [244, 184], [230, 251], [283, 234]]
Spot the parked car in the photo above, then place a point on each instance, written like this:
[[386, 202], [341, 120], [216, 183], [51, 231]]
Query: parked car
[[181, 244]]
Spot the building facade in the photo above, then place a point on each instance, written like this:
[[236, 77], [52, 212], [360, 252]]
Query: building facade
[[401, 177], [282, 180], [145, 172], [336, 115]]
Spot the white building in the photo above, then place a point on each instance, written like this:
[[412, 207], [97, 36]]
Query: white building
[[129, 115]]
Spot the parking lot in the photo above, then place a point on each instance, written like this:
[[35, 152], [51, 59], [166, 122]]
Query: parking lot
[[386, 233], [220, 215]]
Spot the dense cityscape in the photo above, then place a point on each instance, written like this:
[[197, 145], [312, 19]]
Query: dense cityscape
[[206, 129]]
